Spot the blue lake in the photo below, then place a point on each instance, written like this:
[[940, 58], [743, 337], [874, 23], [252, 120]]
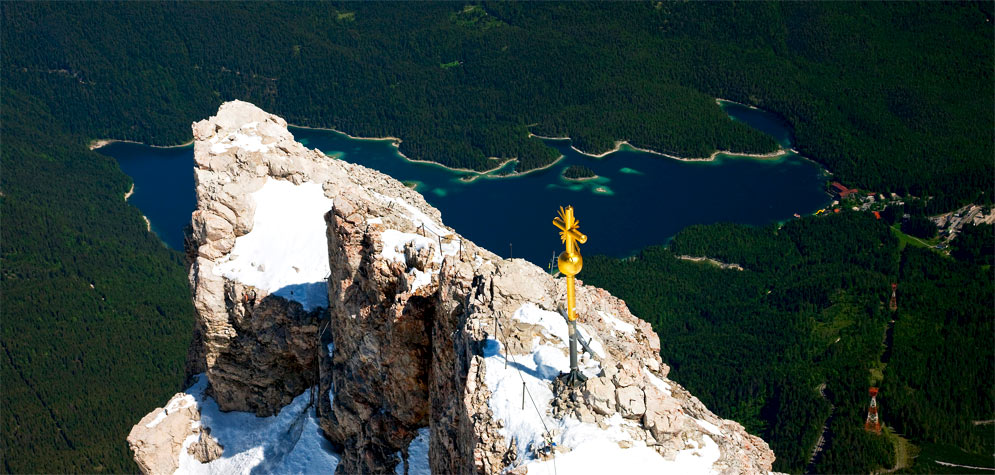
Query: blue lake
[[639, 199], [164, 188]]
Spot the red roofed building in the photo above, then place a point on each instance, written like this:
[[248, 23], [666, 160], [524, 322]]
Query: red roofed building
[[841, 190]]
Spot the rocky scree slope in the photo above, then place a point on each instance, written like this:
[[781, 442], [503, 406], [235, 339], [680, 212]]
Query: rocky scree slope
[[341, 326]]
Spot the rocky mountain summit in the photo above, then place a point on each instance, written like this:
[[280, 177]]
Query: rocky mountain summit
[[342, 326]]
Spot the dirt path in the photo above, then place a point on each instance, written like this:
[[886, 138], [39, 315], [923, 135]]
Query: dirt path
[[715, 262], [948, 464], [903, 454]]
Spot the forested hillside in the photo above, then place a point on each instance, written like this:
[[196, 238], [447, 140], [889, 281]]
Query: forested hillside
[[941, 374], [96, 313], [810, 311]]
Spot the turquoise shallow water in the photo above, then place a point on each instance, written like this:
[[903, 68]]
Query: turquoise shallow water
[[639, 199]]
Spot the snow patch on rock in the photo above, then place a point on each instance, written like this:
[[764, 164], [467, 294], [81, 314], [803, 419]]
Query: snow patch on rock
[[620, 326], [581, 446], [512, 379], [556, 326], [601, 453], [289, 442], [173, 406], [417, 455], [659, 383], [286, 253], [394, 242], [711, 428], [245, 138], [416, 216]]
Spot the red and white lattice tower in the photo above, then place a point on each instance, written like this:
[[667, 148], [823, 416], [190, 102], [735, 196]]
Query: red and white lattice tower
[[893, 305], [873, 424]]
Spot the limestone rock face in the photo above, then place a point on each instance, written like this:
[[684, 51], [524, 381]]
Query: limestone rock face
[[386, 250], [256, 348], [206, 448], [631, 402], [599, 394], [418, 324], [632, 381], [158, 438]]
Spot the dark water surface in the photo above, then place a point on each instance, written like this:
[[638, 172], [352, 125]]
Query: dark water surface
[[639, 199], [764, 121], [164, 188]]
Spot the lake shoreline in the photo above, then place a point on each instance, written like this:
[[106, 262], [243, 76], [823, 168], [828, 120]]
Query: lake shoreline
[[396, 142], [779, 153], [719, 101], [616, 194], [347, 134], [582, 178], [100, 143], [476, 174], [488, 175], [619, 144]]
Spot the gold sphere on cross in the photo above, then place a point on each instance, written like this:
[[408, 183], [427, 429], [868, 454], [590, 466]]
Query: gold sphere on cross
[[569, 263]]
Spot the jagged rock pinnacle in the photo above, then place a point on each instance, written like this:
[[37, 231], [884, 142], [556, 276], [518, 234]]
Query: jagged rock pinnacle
[[328, 294]]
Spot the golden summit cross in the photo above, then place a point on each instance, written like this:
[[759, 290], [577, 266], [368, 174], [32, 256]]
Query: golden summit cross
[[570, 263]]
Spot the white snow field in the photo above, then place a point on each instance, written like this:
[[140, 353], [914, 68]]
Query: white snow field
[[289, 442], [286, 253], [620, 326]]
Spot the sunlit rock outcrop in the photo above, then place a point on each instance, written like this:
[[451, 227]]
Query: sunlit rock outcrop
[[349, 329]]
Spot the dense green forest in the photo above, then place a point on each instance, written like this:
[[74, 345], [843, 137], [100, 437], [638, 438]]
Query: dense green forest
[[976, 243], [808, 314], [96, 311], [942, 369], [578, 171], [889, 96]]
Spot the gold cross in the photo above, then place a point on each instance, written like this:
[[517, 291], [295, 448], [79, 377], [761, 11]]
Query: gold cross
[[569, 232], [570, 261]]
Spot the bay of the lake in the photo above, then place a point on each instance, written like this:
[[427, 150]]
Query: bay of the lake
[[639, 199]]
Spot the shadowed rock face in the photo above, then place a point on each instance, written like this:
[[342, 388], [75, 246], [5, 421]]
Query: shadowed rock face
[[412, 307], [391, 367], [271, 357]]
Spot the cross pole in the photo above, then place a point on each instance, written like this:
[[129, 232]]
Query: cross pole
[[570, 263]]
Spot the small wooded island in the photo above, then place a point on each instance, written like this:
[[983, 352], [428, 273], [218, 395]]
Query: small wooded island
[[579, 173]]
